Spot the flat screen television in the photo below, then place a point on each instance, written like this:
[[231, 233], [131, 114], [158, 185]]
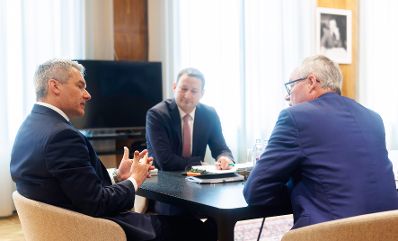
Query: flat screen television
[[121, 93]]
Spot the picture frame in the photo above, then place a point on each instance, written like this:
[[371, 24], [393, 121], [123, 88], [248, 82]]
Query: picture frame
[[334, 34]]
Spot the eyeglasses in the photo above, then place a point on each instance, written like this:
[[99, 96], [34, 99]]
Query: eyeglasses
[[289, 85]]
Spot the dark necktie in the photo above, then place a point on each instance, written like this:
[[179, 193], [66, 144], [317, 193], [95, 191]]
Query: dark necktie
[[186, 136]]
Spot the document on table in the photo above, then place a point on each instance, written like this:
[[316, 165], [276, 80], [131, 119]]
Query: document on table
[[211, 169], [216, 178]]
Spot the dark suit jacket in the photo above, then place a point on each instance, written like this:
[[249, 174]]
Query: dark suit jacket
[[333, 149], [164, 139], [54, 163]]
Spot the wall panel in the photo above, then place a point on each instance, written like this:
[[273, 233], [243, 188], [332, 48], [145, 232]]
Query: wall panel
[[350, 71], [130, 29]]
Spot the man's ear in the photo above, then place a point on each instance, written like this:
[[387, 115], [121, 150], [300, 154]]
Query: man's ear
[[203, 92], [54, 87], [313, 82]]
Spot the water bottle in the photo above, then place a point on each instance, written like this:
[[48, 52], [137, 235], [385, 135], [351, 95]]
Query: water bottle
[[258, 149]]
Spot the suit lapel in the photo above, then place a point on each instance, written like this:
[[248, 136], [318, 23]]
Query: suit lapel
[[96, 162], [197, 127], [176, 123]]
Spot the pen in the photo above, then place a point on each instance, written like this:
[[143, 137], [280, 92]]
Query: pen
[[231, 164]]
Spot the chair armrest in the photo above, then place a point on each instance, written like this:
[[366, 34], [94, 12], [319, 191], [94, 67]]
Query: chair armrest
[[45, 222], [369, 227]]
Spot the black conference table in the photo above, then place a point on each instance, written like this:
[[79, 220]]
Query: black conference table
[[224, 202]]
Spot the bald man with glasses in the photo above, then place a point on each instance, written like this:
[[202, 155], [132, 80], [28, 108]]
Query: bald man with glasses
[[328, 148]]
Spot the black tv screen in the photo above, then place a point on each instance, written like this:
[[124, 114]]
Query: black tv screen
[[121, 93]]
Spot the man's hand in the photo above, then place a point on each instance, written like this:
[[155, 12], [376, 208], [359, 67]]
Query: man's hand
[[224, 163], [141, 166], [124, 170]]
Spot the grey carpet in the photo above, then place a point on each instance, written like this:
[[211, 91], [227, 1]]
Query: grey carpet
[[273, 230]]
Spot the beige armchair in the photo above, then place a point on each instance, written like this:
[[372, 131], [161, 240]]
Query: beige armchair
[[44, 222], [381, 226]]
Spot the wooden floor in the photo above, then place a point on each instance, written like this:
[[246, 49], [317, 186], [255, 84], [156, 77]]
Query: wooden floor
[[10, 229]]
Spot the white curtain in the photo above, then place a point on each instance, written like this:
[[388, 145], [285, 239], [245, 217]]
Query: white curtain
[[246, 50], [32, 32], [378, 81]]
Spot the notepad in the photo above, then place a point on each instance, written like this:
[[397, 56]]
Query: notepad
[[211, 169], [216, 178]]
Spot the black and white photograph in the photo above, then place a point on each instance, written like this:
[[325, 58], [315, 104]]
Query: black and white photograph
[[334, 34]]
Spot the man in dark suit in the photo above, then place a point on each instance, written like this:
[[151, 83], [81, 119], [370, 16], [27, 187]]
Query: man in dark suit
[[328, 148], [54, 163], [177, 143], [165, 127]]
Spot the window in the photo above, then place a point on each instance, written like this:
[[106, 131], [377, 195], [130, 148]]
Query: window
[[30, 33], [245, 49], [377, 64]]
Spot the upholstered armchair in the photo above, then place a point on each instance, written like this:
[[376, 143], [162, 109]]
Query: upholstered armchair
[[44, 222], [381, 226]]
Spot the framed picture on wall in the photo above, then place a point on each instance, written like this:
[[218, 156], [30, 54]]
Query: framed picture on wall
[[334, 34]]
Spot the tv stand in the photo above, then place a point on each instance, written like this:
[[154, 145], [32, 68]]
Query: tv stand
[[111, 141], [113, 133]]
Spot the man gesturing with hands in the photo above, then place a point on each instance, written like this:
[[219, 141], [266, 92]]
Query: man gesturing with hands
[[53, 162], [136, 169]]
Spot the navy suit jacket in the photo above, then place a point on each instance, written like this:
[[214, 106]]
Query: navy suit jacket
[[164, 138], [333, 151], [53, 162]]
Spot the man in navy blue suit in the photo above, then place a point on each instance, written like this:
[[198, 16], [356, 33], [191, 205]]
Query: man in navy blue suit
[[164, 127], [328, 148], [54, 163], [165, 131]]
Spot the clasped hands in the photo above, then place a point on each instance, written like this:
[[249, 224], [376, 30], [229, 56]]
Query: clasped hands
[[137, 168]]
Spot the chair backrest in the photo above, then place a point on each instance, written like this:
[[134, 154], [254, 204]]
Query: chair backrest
[[44, 222], [369, 227]]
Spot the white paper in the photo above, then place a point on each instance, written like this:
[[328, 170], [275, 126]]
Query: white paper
[[213, 170]]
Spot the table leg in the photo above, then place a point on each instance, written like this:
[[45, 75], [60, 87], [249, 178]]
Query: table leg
[[225, 228]]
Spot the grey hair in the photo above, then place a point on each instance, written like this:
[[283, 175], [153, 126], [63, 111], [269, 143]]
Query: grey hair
[[325, 70], [192, 72], [58, 69]]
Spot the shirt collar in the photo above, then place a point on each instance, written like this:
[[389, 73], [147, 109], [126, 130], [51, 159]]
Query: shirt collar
[[182, 113], [54, 108]]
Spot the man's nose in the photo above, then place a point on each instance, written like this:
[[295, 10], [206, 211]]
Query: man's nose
[[188, 94], [87, 95]]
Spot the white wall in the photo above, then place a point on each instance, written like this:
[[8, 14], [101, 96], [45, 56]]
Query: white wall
[[99, 41], [160, 35]]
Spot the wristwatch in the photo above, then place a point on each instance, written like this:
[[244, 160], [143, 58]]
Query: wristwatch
[[115, 175]]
